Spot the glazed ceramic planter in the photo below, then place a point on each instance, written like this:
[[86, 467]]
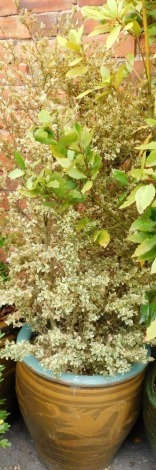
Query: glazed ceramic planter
[[77, 422], [7, 386], [149, 407]]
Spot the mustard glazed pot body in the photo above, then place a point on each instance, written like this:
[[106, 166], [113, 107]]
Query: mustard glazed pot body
[[77, 422]]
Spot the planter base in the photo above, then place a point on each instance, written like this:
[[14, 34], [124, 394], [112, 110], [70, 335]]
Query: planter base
[[73, 427]]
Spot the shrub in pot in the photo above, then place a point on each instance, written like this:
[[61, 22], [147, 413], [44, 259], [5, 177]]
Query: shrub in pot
[[72, 278]]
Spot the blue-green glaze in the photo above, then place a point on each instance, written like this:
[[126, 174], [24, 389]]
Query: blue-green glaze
[[71, 379]]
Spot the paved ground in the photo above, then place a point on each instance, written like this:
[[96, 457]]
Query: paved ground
[[134, 454]]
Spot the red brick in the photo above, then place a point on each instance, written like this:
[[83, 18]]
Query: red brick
[[152, 47], [11, 184], [138, 65], [4, 202], [39, 6], [125, 45], [5, 162], [89, 25], [11, 27], [7, 7], [90, 3], [2, 256]]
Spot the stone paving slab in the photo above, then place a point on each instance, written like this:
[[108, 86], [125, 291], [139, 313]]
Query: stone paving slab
[[133, 455]]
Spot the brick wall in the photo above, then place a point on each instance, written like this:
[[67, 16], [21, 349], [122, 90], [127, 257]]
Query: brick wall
[[49, 12]]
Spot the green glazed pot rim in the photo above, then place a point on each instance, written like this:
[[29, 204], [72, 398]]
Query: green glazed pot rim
[[77, 380]]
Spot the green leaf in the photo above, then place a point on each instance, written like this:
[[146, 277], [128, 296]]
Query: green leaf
[[102, 95], [113, 36], [122, 198], [76, 35], [62, 41], [75, 61], [17, 173], [101, 29], [153, 214], [105, 74], [145, 246], [113, 6], [153, 267], [78, 128], [148, 255], [29, 183], [144, 310], [130, 61], [19, 160], [137, 173], [28, 194], [121, 177], [150, 146], [86, 137], [76, 174], [79, 33], [85, 93], [119, 75], [58, 151], [70, 45], [42, 136], [152, 30], [153, 13], [128, 26], [77, 71], [142, 224], [139, 237], [95, 163], [144, 196], [151, 122], [151, 331], [68, 139], [92, 13], [131, 198], [44, 117], [53, 184], [136, 28], [4, 443], [82, 223], [2, 241], [102, 237], [87, 187], [75, 195], [64, 162], [151, 159]]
